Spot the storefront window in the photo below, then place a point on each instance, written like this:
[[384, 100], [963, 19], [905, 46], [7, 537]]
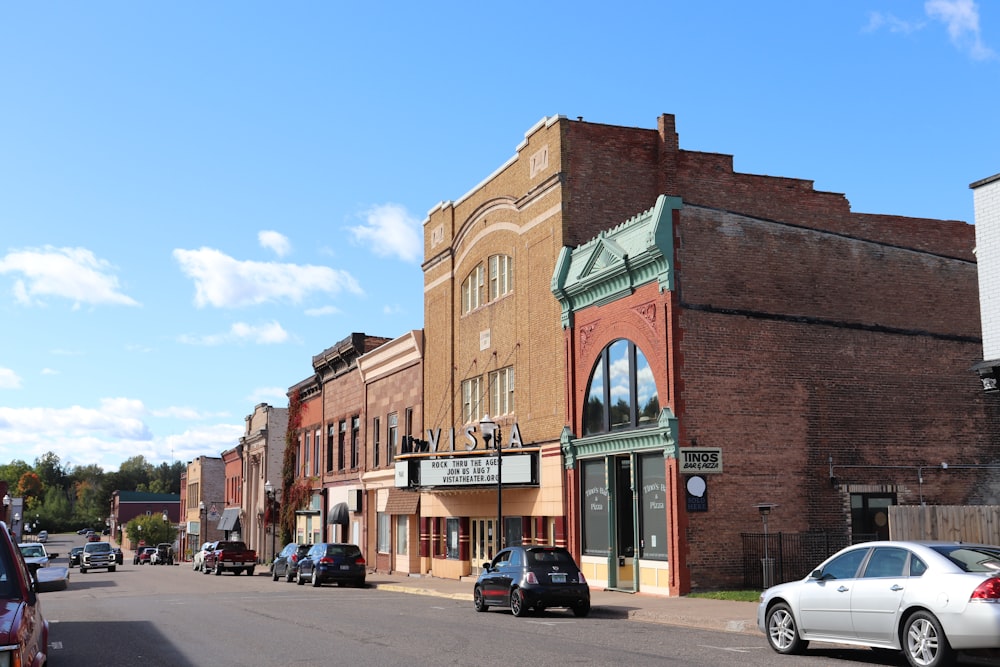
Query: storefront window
[[383, 533], [595, 511], [653, 507], [451, 536], [402, 534]]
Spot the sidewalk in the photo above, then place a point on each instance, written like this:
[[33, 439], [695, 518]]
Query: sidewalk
[[720, 615]]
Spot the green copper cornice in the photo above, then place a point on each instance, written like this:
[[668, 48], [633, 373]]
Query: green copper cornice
[[663, 436], [618, 260]]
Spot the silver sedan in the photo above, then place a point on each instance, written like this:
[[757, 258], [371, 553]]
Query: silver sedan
[[927, 599]]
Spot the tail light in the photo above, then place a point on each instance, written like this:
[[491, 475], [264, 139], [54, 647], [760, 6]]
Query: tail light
[[326, 560], [295, 558], [582, 579], [531, 578], [360, 560], [988, 591]]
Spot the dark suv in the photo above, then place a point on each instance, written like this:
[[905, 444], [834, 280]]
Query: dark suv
[[286, 563], [97, 555], [332, 562], [538, 577]]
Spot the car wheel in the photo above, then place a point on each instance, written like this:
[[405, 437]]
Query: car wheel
[[582, 609], [298, 579], [83, 570], [782, 634], [924, 643], [478, 600], [274, 574], [249, 571], [517, 606], [218, 570], [289, 576], [111, 569], [315, 580]]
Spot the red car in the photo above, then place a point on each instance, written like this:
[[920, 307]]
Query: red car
[[24, 632], [142, 555]]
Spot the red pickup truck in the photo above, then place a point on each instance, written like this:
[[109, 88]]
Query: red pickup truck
[[232, 556]]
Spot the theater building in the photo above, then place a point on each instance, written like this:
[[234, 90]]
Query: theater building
[[668, 347]]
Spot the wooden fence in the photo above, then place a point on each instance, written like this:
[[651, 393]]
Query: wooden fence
[[966, 523]]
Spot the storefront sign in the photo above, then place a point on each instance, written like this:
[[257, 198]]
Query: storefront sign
[[477, 470], [700, 459]]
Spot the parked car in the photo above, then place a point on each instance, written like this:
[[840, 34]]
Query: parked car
[[163, 554], [43, 536], [927, 599], [119, 556], [142, 555], [532, 577], [198, 561], [35, 557], [24, 632], [93, 537], [74, 556], [342, 563], [232, 555], [97, 555], [83, 531], [286, 563]]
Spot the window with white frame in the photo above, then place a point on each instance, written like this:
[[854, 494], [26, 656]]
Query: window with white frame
[[502, 391], [402, 535], [376, 446], [501, 275], [393, 436], [472, 290], [471, 393], [384, 533]]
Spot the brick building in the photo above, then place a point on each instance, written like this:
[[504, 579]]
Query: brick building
[[263, 450], [202, 501], [819, 356]]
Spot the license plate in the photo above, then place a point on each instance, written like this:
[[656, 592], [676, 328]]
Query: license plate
[[558, 578], [345, 567]]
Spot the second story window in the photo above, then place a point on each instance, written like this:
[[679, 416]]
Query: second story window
[[472, 290], [393, 436], [355, 445], [376, 443], [471, 393], [502, 391], [501, 275], [342, 442]]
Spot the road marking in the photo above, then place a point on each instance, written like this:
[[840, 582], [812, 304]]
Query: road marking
[[552, 622], [55, 645]]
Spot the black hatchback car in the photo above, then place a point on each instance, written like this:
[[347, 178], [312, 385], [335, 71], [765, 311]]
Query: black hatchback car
[[532, 577], [286, 563], [326, 561]]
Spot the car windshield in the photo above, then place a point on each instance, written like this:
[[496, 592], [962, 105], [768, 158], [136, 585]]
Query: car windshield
[[32, 551], [972, 558], [98, 547]]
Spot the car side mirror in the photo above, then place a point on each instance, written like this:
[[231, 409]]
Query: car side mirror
[[816, 574], [486, 566]]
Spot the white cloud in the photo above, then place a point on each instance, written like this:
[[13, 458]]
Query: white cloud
[[9, 379], [389, 230], [320, 312], [70, 273], [275, 241], [878, 20], [117, 419], [49, 371], [392, 309], [962, 20], [224, 282], [264, 334]]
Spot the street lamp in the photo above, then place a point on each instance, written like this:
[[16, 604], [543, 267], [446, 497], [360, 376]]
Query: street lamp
[[203, 516], [765, 510], [6, 505], [17, 517], [491, 430], [269, 492]]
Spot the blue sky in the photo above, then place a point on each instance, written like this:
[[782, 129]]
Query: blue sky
[[196, 198]]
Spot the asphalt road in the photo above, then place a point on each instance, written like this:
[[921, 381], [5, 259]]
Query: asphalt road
[[172, 616]]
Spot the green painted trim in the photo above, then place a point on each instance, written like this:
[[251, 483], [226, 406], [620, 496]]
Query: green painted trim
[[617, 261], [662, 436]]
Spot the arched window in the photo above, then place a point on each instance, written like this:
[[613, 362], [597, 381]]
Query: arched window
[[621, 393], [472, 290]]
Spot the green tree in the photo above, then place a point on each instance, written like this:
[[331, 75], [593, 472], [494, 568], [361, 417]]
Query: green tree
[[153, 529]]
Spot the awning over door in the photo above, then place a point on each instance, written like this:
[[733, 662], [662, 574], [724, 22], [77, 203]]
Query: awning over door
[[230, 518], [339, 514], [402, 501]]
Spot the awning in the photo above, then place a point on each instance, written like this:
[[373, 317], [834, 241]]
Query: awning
[[402, 501], [230, 518], [339, 514]]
